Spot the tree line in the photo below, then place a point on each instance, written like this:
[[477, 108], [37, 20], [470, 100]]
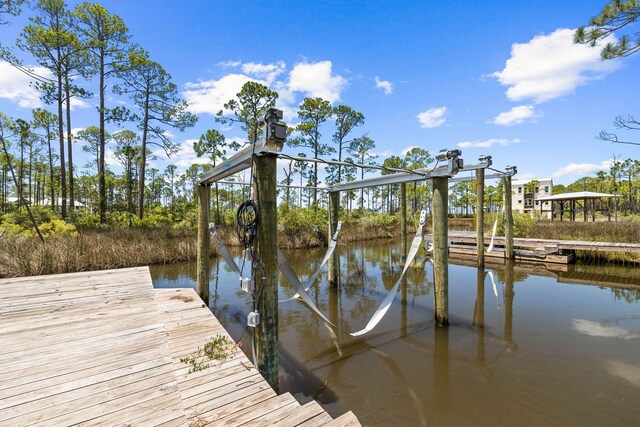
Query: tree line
[[80, 47], [91, 48]]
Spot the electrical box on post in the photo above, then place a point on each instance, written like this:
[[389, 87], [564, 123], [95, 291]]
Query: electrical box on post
[[253, 319], [247, 284]]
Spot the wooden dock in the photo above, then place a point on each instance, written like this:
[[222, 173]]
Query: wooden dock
[[546, 250], [104, 348]]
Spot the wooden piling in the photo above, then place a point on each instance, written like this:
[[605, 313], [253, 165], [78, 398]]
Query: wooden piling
[[334, 261], [266, 254], [204, 242], [480, 216], [441, 250], [508, 218], [403, 218]]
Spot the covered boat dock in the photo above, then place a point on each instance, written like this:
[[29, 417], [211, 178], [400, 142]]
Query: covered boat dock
[[586, 202]]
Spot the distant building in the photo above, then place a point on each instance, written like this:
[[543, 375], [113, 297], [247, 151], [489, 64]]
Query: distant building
[[526, 197], [46, 202]]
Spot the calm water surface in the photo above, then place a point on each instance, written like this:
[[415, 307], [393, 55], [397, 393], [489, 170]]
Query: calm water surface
[[541, 347]]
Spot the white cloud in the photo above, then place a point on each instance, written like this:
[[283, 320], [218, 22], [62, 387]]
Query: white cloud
[[581, 169], [75, 131], [433, 117], [385, 85], [210, 96], [316, 80], [79, 103], [229, 64], [15, 86], [550, 66], [489, 143], [286, 101], [407, 149], [384, 154], [110, 158], [266, 72], [517, 115], [310, 79], [186, 155], [116, 101]]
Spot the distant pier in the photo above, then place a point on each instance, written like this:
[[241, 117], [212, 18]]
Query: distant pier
[[545, 250]]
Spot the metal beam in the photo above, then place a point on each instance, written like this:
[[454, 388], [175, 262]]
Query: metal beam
[[417, 175], [472, 178], [347, 164], [510, 171], [303, 187], [240, 161]]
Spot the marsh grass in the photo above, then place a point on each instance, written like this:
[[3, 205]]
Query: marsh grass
[[622, 232], [122, 247], [95, 250], [615, 232]]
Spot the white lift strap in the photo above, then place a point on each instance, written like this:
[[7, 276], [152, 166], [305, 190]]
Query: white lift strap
[[291, 276], [224, 251], [331, 247], [493, 234]]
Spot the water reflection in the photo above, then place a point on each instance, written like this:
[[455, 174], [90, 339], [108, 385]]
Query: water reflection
[[526, 342], [596, 329], [478, 315], [509, 295]]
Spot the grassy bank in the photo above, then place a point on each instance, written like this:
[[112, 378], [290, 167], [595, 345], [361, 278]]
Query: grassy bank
[[621, 232], [104, 248], [95, 250], [624, 231]]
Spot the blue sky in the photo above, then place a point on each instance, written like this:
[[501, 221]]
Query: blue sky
[[496, 78]]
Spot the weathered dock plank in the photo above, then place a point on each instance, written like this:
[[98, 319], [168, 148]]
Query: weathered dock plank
[[85, 348], [103, 348], [228, 393]]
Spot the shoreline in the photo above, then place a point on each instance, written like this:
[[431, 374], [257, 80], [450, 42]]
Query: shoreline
[[123, 247]]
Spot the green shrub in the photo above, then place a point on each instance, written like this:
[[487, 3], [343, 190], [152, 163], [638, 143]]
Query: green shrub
[[522, 224], [41, 214], [189, 219], [56, 228], [49, 223], [86, 220]]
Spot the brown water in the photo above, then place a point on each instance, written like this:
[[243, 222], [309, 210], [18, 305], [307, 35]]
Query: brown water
[[547, 350]]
